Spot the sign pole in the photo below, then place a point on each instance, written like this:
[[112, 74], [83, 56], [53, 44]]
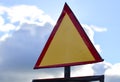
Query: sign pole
[[67, 72]]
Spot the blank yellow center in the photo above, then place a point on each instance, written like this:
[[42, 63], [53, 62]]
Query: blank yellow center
[[67, 46]]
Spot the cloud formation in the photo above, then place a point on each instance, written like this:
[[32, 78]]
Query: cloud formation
[[24, 31], [11, 18], [20, 46]]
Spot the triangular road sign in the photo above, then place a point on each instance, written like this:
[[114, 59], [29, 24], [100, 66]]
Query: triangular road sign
[[68, 44]]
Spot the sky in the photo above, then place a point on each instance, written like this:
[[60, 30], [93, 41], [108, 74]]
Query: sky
[[25, 26]]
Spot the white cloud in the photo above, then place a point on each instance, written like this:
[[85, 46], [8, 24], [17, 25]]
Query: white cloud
[[98, 29], [1, 20], [28, 14], [11, 18], [83, 70], [3, 9], [30, 28], [89, 32], [114, 70], [7, 27], [91, 69], [20, 52], [97, 46], [113, 74], [100, 68], [4, 37]]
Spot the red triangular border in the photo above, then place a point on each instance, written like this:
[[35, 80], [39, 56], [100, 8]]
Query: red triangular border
[[81, 31]]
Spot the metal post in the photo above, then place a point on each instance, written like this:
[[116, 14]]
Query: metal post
[[102, 78], [67, 72]]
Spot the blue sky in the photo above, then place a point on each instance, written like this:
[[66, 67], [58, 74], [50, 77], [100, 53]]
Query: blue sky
[[25, 26]]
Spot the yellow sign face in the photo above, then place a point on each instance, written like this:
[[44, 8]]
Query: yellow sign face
[[68, 44]]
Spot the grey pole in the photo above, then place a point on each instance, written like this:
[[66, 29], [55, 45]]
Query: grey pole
[[67, 72]]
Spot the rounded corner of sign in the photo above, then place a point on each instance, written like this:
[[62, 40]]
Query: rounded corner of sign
[[102, 60], [35, 67]]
